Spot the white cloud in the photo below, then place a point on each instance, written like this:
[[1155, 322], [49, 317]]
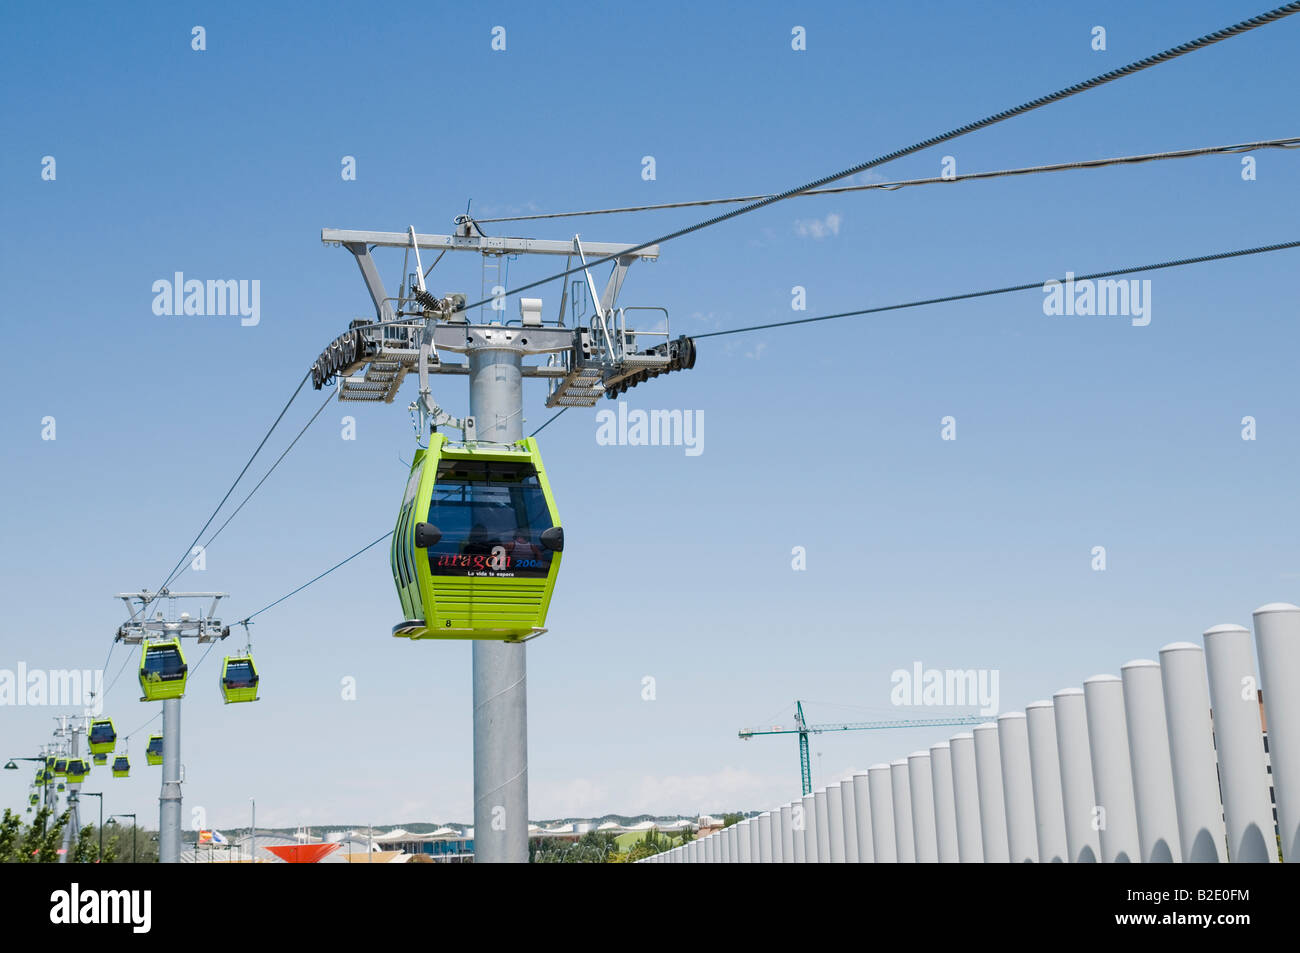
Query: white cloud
[[818, 228]]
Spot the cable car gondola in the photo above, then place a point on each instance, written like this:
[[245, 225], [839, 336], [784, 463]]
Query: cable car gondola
[[60, 767], [121, 766], [102, 737], [99, 759], [153, 753], [34, 799], [477, 544], [60, 787], [163, 671], [239, 679], [77, 770]]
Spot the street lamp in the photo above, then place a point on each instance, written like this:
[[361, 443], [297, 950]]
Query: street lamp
[[134, 846], [77, 794]]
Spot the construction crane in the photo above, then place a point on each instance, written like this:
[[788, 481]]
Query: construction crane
[[803, 730]]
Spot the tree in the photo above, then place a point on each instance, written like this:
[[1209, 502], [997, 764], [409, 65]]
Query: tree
[[593, 847], [38, 844]]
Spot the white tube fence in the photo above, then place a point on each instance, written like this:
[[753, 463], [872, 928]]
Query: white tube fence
[[1167, 762]]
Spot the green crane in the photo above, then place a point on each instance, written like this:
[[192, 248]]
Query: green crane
[[803, 730]]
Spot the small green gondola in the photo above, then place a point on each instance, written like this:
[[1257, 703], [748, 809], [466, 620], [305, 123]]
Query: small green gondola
[[60, 767], [239, 679], [34, 799], [153, 752], [102, 737], [60, 787], [477, 544], [121, 766], [163, 671], [77, 770], [99, 759]]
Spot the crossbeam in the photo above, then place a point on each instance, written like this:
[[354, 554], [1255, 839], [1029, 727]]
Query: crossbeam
[[481, 243]]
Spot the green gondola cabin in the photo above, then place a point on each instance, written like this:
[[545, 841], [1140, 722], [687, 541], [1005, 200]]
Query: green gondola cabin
[[153, 752], [239, 679], [478, 543], [121, 766], [102, 736], [163, 671]]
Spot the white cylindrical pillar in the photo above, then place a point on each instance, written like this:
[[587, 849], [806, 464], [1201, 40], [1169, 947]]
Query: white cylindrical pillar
[[809, 802], [755, 841], [745, 834], [1112, 777], [823, 827], [1153, 773], [945, 811], [921, 785], [799, 830], [1201, 833], [1045, 771], [1277, 636], [835, 823], [729, 855], [862, 810], [883, 838], [850, 821], [1078, 795], [993, 811], [765, 851], [1018, 787], [786, 840], [1239, 741], [900, 788], [966, 798]]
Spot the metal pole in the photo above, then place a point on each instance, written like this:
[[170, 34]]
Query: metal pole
[[904, 836], [1277, 637], [835, 823], [945, 808], [966, 798], [73, 830], [883, 838], [500, 668], [1153, 773], [921, 785], [1239, 740], [1045, 773], [847, 797], [101, 829], [862, 808], [169, 799], [1018, 787], [252, 834], [993, 811]]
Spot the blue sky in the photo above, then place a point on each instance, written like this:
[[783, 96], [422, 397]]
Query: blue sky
[[1072, 432]]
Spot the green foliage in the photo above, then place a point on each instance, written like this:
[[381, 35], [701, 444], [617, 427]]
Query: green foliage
[[593, 847], [39, 843], [729, 819], [87, 846]]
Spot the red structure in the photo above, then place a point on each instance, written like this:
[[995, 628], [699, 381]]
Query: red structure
[[302, 853]]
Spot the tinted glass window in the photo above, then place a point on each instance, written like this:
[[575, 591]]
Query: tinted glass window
[[165, 661], [239, 675], [491, 516], [102, 733]]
